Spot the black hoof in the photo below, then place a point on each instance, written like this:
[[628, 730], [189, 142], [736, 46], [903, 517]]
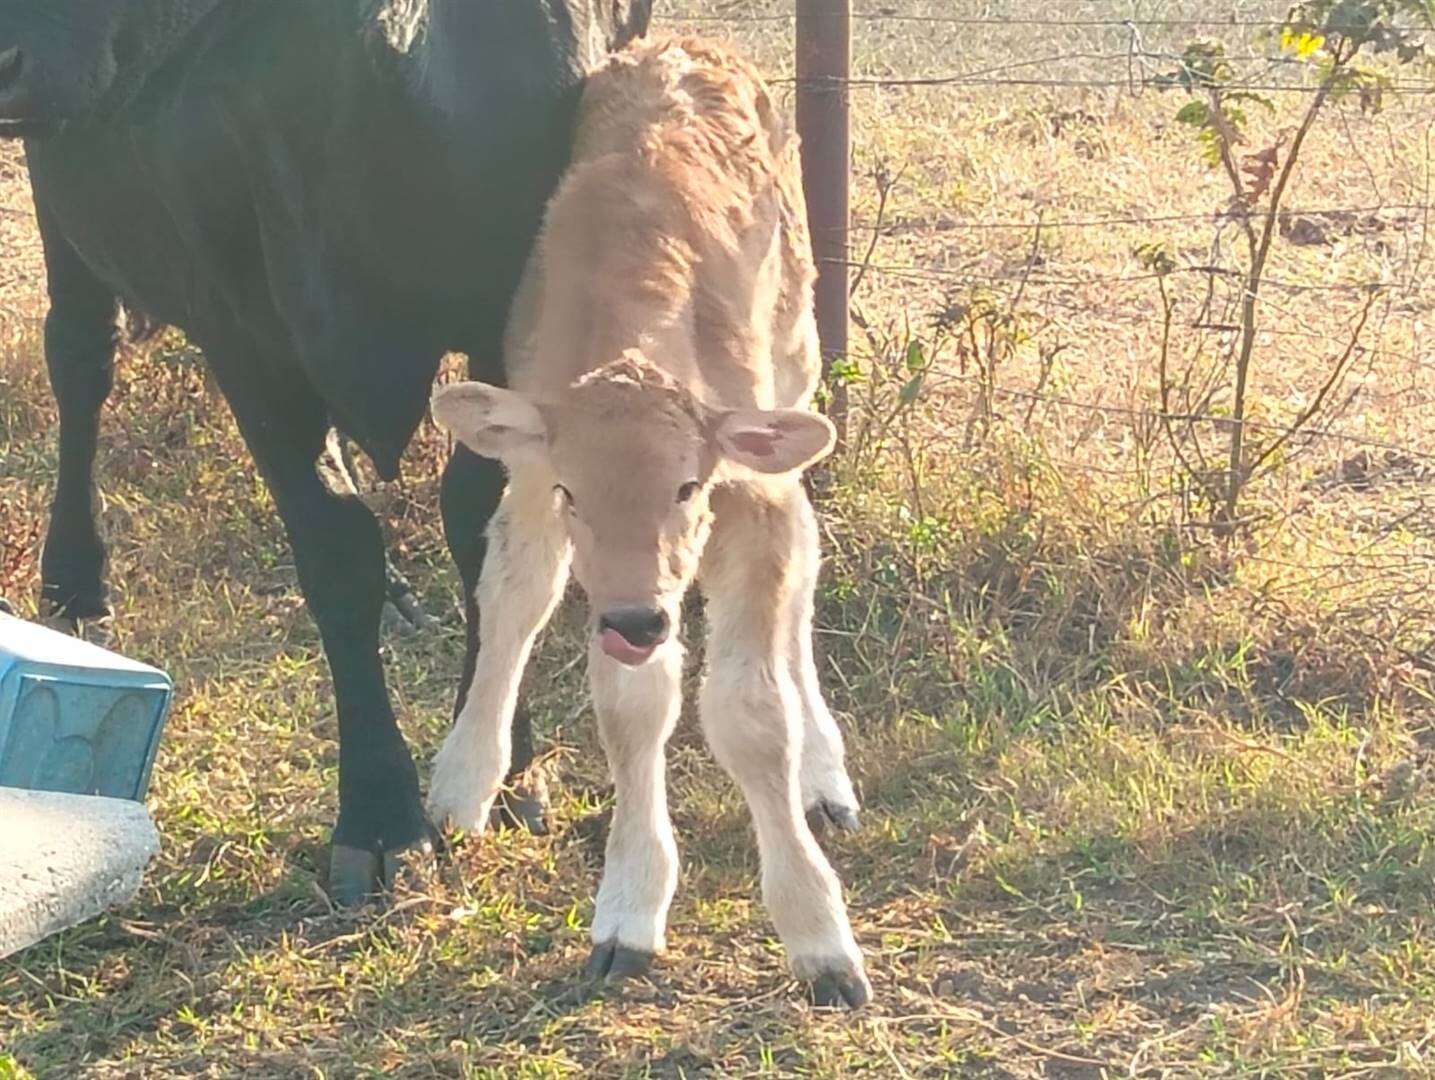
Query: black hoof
[[97, 629], [612, 962], [825, 815], [59, 603], [840, 986], [400, 598], [5, 608], [358, 876], [523, 805]]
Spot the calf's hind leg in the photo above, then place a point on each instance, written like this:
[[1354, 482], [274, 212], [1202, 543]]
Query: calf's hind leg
[[827, 792], [81, 334], [751, 712]]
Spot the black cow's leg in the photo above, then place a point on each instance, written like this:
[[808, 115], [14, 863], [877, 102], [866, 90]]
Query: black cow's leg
[[339, 555], [81, 335], [472, 488]]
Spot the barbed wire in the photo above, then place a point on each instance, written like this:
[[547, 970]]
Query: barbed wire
[[1110, 314], [989, 21], [942, 273], [833, 84], [1147, 319], [1132, 315], [1224, 421], [1138, 77], [950, 224]]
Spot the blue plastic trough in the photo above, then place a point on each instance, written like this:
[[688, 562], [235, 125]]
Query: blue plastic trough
[[74, 717]]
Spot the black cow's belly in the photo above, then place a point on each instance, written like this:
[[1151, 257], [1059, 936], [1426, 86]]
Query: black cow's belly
[[180, 252]]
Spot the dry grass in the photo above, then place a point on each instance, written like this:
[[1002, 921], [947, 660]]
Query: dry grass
[[1138, 804]]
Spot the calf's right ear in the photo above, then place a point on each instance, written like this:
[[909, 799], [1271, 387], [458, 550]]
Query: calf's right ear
[[489, 421], [775, 440]]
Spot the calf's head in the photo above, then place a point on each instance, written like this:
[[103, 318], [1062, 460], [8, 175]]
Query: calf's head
[[62, 59], [632, 459]]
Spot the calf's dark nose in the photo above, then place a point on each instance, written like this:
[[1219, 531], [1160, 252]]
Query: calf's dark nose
[[644, 628]]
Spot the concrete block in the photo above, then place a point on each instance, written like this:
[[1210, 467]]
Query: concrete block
[[65, 859]]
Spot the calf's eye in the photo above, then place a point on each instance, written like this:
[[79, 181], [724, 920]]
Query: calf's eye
[[688, 490], [567, 495]]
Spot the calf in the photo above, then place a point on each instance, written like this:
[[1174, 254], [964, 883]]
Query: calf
[[662, 356]]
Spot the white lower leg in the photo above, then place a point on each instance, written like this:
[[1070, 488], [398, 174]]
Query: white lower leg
[[637, 709], [750, 711], [521, 583], [823, 773]]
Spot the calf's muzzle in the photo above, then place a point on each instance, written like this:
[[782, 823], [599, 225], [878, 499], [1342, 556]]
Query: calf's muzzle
[[630, 635]]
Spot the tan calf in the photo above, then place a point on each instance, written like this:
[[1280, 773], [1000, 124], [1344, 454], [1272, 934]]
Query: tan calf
[[662, 357]]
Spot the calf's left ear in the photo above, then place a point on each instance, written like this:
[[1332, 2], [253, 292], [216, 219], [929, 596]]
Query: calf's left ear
[[774, 440], [489, 421]]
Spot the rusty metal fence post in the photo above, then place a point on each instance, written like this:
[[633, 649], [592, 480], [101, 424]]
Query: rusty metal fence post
[[824, 65]]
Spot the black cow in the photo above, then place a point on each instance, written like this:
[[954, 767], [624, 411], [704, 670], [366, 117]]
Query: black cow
[[327, 196]]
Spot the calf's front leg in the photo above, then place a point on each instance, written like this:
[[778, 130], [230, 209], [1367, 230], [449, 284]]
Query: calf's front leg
[[522, 580], [637, 710]]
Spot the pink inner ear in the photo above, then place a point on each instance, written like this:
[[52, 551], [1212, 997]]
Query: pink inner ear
[[756, 441]]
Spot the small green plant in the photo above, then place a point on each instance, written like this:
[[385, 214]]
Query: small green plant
[[1333, 38]]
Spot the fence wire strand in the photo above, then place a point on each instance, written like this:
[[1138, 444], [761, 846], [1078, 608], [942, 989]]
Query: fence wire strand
[[944, 273], [1232, 23], [1179, 416], [1212, 217]]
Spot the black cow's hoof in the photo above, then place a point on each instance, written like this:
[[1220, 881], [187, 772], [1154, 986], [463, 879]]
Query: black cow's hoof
[[523, 805], [840, 985], [359, 876], [612, 962], [408, 611], [88, 603], [97, 628], [826, 814]]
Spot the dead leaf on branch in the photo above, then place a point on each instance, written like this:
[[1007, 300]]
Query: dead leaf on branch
[[1261, 170]]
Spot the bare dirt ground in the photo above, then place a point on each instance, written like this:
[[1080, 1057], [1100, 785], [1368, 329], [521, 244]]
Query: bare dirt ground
[[1140, 801]]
